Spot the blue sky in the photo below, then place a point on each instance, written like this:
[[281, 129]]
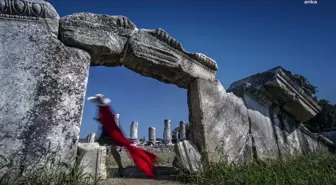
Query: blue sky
[[244, 37]]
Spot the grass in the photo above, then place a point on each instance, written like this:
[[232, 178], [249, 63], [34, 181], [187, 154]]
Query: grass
[[310, 169], [53, 175]]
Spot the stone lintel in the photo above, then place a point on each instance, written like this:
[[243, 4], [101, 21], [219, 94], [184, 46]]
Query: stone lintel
[[115, 41], [278, 87], [154, 53]]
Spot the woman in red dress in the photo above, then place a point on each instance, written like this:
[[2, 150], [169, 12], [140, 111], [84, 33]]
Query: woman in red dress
[[143, 159]]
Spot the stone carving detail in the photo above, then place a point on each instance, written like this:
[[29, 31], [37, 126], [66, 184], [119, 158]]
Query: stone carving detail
[[201, 58], [26, 10], [165, 37], [205, 60]]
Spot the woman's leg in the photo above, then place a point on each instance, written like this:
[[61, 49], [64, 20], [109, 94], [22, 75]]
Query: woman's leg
[[117, 158]]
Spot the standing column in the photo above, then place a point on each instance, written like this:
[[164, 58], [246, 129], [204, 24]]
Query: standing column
[[116, 117], [90, 138], [151, 135], [177, 136], [134, 132], [167, 132], [182, 131]]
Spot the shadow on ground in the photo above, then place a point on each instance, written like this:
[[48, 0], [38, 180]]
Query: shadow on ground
[[162, 173], [133, 176]]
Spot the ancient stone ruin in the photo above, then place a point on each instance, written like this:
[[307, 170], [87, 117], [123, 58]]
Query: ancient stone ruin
[[44, 70]]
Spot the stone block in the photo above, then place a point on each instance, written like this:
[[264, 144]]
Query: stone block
[[43, 84], [187, 157], [279, 87], [219, 122], [103, 36], [154, 53], [92, 159]]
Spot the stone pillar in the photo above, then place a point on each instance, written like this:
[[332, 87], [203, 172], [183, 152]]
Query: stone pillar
[[43, 84], [117, 118], [151, 135], [90, 138], [167, 132], [177, 136], [182, 130], [134, 132]]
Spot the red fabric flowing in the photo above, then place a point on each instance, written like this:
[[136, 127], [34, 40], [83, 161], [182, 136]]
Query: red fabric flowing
[[143, 159]]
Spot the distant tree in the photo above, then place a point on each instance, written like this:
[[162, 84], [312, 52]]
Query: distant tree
[[142, 140], [325, 120], [306, 85]]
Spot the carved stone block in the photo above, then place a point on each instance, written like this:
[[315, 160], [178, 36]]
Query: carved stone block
[[279, 88], [103, 36], [154, 53]]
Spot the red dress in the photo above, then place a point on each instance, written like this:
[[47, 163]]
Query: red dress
[[143, 159]]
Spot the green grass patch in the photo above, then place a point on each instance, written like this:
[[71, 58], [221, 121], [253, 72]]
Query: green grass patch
[[310, 169], [52, 175]]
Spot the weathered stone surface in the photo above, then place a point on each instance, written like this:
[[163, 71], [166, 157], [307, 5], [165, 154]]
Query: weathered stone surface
[[187, 157], [152, 135], [115, 41], [93, 158], [262, 129], [219, 122], [281, 89], [156, 54], [36, 11], [103, 36], [134, 132], [43, 85], [275, 132], [167, 139], [182, 131]]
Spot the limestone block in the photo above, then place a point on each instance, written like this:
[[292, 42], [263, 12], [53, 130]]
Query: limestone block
[[115, 41], [93, 158], [43, 84], [187, 156], [262, 129], [281, 88], [219, 122], [102, 36], [156, 54]]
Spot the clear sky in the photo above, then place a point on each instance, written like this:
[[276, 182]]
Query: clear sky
[[244, 37]]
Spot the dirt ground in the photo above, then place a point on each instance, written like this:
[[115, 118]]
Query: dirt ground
[[133, 176]]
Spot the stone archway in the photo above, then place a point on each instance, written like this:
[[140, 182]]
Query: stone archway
[[44, 69], [115, 41], [43, 76]]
